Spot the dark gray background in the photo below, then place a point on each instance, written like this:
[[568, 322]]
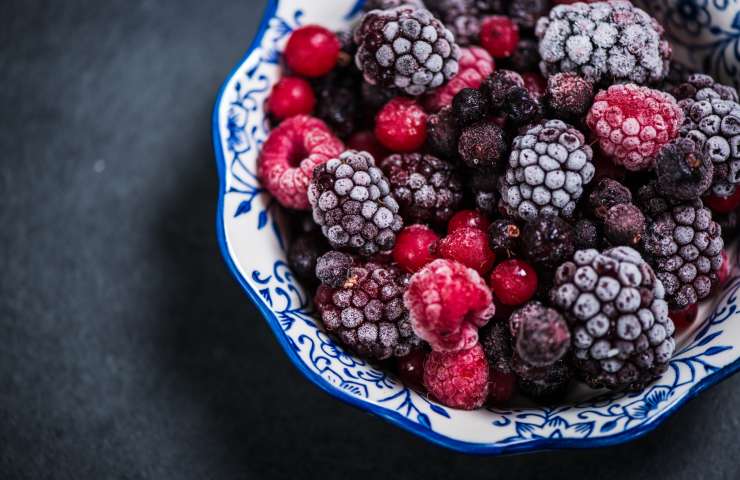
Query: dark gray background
[[127, 349]]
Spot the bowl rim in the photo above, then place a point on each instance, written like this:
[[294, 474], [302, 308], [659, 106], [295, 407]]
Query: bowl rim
[[393, 417]]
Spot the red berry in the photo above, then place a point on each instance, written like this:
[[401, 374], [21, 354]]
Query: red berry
[[411, 369], [365, 141], [291, 96], [723, 204], [467, 218], [468, 246], [682, 319], [535, 84], [499, 35], [447, 303], [414, 247], [501, 387], [401, 125], [513, 282], [724, 271], [312, 51], [458, 379]]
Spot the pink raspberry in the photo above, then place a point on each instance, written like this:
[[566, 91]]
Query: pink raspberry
[[458, 379], [476, 65], [632, 123], [447, 303], [291, 152]]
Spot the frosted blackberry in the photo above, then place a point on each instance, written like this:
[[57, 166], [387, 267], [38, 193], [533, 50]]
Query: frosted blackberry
[[606, 194], [482, 145], [483, 183], [548, 240], [604, 42], [624, 224], [698, 87], [406, 48], [526, 57], [427, 188], [367, 313], [714, 125], [442, 133], [337, 102], [461, 17], [350, 198], [525, 13], [333, 268], [495, 338], [469, 106], [653, 203], [548, 167], [685, 247], [621, 334], [506, 93], [684, 170]]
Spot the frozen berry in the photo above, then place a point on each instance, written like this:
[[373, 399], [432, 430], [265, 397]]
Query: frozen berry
[[548, 240], [414, 247], [469, 106], [724, 271], [684, 317], [482, 145], [499, 84], [499, 36], [541, 334], [442, 133], [475, 66], [535, 84], [468, 246], [501, 387], [526, 57], [333, 268], [458, 379], [605, 195], [365, 141], [542, 384], [312, 51], [401, 125], [411, 368], [513, 282], [447, 303], [292, 151], [723, 204], [624, 225], [495, 338], [587, 234], [632, 123], [569, 95], [684, 171], [467, 218], [303, 253], [291, 96], [521, 107], [504, 237]]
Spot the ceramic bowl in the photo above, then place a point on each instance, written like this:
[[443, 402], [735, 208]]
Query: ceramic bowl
[[253, 242]]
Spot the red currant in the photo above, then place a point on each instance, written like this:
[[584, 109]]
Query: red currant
[[501, 387], [411, 369], [291, 96], [312, 51], [513, 282], [468, 246], [401, 125], [414, 247], [467, 218], [365, 141], [723, 204], [499, 36]]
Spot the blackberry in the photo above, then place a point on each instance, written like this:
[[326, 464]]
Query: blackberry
[[406, 48], [495, 339], [367, 313], [469, 106], [521, 107], [504, 238], [543, 384], [714, 125], [541, 333], [333, 268], [606, 194], [483, 183], [548, 167], [350, 198], [652, 203], [498, 85], [461, 17], [685, 247], [427, 188], [526, 57], [442, 133], [587, 234], [604, 42], [624, 224], [303, 253], [482, 145], [525, 13], [336, 104], [375, 97], [621, 334], [568, 95], [507, 94], [698, 86], [684, 171], [548, 240]]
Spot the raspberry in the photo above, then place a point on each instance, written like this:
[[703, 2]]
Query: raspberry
[[499, 36], [447, 303], [401, 125], [411, 368], [442, 133], [292, 151], [458, 379], [475, 66], [504, 238], [624, 225], [482, 145], [470, 105], [684, 317], [684, 171], [548, 240], [365, 141], [468, 246], [513, 282], [632, 123], [607, 194], [467, 218], [541, 333], [312, 51], [723, 204], [569, 95], [291, 96], [414, 247]]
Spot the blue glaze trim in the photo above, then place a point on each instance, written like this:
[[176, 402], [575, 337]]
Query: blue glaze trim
[[390, 415]]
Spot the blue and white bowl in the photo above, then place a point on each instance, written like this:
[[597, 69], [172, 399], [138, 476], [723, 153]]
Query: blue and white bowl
[[251, 235]]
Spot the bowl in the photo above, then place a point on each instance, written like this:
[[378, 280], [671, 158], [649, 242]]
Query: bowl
[[253, 241]]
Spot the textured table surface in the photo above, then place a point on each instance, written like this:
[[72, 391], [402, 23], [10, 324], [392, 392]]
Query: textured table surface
[[128, 350]]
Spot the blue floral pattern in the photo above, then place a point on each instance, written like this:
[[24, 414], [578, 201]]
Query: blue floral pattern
[[250, 234]]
